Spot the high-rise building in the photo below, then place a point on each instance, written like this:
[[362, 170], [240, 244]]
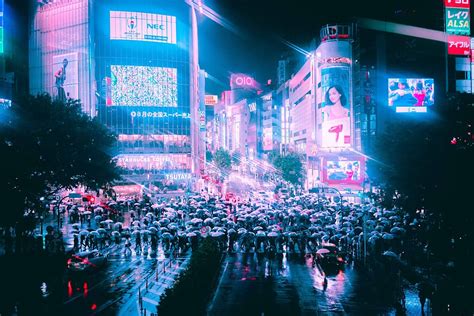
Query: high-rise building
[[134, 65]]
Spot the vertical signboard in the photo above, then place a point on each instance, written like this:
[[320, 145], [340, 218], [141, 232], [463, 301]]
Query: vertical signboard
[[336, 107], [457, 4], [458, 21], [459, 45], [1, 26]]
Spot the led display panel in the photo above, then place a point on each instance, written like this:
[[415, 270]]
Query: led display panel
[[141, 26], [144, 86], [410, 95], [344, 171]]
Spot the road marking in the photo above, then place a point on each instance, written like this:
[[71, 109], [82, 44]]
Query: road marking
[[211, 306]]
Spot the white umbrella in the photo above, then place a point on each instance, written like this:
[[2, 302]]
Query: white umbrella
[[323, 251]]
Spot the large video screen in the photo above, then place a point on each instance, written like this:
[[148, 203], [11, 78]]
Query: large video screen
[[140, 26], [410, 95], [345, 171], [144, 86]]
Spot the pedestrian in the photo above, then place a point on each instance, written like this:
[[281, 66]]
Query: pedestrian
[[422, 295], [325, 284]]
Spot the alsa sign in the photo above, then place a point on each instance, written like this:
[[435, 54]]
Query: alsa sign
[[459, 45], [458, 21], [457, 4]]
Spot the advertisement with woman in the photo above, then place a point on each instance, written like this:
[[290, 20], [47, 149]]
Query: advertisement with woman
[[336, 107]]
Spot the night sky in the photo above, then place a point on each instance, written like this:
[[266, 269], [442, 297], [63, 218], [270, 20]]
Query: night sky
[[260, 23]]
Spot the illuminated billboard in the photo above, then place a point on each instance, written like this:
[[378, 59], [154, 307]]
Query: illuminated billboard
[[336, 107], [170, 162], [243, 81], [344, 171], [457, 3], [210, 99], [267, 138], [66, 79], [458, 21], [1, 26], [144, 86], [410, 95], [140, 26], [459, 45]]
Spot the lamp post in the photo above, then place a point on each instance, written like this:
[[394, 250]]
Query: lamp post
[[70, 195]]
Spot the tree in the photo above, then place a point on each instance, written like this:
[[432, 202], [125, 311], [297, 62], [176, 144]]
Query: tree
[[290, 167], [429, 164], [209, 156], [223, 160], [48, 146]]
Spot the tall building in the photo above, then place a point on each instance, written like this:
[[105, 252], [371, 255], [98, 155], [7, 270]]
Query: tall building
[[133, 64]]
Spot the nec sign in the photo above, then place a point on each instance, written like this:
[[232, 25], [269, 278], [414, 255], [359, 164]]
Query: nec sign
[[155, 26]]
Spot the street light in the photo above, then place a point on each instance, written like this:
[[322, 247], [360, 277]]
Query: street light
[[70, 195]]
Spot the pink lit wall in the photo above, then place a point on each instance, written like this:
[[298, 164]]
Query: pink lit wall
[[61, 31]]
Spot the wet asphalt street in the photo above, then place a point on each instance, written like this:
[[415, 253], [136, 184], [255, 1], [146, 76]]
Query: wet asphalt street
[[256, 284]]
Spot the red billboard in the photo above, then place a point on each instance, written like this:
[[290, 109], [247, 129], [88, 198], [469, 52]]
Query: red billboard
[[457, 4], [459, 45]]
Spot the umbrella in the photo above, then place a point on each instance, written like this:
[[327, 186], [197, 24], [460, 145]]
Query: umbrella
[[117, 225], [101, 230], [391, 254], [272, 234], [167, 236], [75, 226], [136, 232], [388, 236], [99, 209], [115, 234], [191, 234], [98, 218], [153, 230], [94, 233], [87, 213], [136, 223], [196, 220], [322, 251], [260, 233], [217, 234], [258, 228], [83, 232]]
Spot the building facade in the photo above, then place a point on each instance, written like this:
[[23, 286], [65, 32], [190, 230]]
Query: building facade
[[134, 65]]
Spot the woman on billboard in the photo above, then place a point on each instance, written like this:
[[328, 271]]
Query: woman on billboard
[[336, 120], [335, 104]]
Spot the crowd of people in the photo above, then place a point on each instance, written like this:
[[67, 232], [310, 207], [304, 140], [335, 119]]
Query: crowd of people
[[296, 225]]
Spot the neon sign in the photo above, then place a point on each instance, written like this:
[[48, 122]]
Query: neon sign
[[159, 114]]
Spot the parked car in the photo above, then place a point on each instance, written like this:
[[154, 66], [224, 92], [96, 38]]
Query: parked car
[[86, 261]]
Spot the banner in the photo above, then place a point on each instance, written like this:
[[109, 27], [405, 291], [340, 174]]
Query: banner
[[140, 26], [457, 4], [459, 45], [458, 21], [335, 107]]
